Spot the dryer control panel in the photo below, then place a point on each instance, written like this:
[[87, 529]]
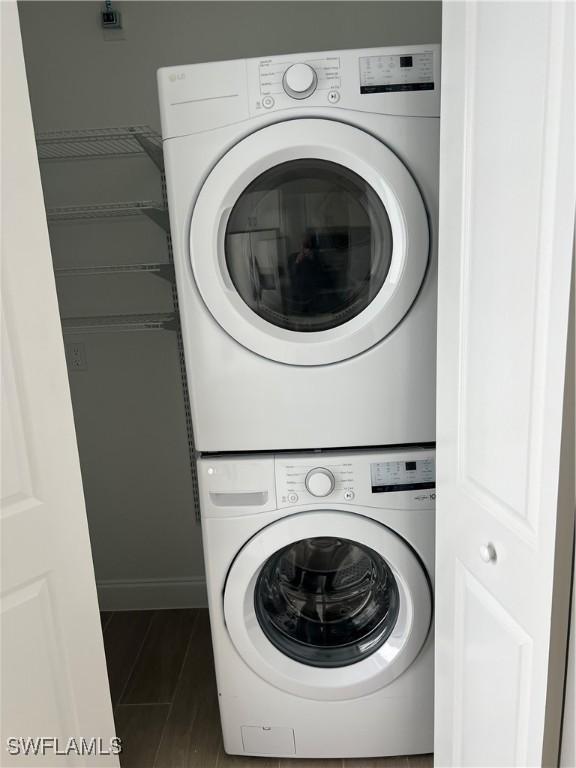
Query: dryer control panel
[[297, 79], [398, 80]]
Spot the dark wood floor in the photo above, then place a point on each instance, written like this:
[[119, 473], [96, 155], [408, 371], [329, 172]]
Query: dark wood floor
[[163, 691]]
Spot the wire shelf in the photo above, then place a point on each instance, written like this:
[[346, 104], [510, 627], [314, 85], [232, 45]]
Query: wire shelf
[[164, 270], [100, 142], [120, 323], [153, 210]]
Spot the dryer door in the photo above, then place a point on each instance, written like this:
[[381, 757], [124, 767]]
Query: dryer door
[[323, 590], [309, 241]]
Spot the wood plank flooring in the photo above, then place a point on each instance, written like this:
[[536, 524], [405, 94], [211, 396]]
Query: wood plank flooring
[[161, 675]]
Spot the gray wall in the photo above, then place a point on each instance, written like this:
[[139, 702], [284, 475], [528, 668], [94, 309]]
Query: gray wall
[[128, 408]]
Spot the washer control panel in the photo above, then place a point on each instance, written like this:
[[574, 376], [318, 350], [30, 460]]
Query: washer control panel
[[393, 475], [316, 477], [320, 482], [395, 478], [300, 81]]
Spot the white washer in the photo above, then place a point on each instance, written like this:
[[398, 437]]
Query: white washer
[[303, 205], [320, 583]]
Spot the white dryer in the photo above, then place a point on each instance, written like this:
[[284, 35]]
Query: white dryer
[[320, 584], [303, 206]]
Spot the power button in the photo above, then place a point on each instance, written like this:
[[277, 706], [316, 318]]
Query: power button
[[292, 498], [267, 102]]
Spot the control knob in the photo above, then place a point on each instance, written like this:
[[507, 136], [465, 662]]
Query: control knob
[[300, 81], [320, 481]]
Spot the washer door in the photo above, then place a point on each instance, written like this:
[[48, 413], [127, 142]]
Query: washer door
[[327, 605], [309, 241]]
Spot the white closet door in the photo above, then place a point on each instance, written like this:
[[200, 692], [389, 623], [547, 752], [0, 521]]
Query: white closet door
[[54, 681], [506, 229]]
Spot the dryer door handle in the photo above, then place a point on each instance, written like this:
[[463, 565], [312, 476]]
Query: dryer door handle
[[221, 250]]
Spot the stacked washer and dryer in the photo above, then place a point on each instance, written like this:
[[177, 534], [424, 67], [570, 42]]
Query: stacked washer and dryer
[[303, 194]]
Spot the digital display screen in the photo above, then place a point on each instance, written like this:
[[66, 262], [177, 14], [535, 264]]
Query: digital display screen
[[392, 476], [395, 72]]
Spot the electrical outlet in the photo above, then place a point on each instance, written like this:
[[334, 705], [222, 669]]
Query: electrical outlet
[[111, 19], [112, 23], [76, 356]]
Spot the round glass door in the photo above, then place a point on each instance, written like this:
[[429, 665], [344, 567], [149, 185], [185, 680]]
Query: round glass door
[[309, 241], [308, 245], [323, 590], [326, 602]]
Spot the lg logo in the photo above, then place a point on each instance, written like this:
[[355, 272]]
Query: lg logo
[[179, 76]]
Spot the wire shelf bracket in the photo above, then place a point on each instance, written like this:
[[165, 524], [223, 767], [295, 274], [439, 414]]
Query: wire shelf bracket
[[158, 215], [152, 149]]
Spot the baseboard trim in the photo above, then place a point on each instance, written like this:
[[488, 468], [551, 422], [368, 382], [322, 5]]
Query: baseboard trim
[[148, 594]]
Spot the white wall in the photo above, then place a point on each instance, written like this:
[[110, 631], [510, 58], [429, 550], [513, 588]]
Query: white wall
[[128, 410]]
